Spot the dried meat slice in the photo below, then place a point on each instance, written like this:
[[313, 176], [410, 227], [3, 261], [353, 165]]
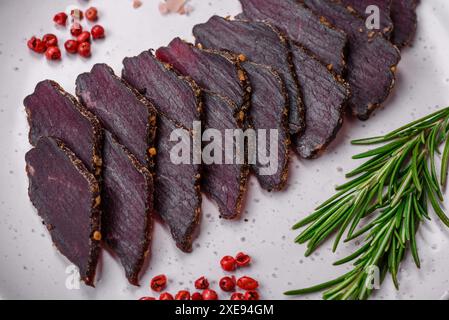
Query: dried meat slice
[[67, 198], [269, 112], [300, 24], [364, 9], [403, 14], [325, 96], [372, 60], [121, 110], [224, 183], [178, 103], [53, 112], [210, 70], [271, 50], [127, 193]]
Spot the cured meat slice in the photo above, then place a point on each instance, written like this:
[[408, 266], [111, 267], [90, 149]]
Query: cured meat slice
[[121, 110], [301, 25], [269, 111], [384, 6], [372, 59], [325, 96], [67, 198], [403, 14], [177, 101], [271, 50], [209, 70], [127, 192], [224, 183], [53, 112]]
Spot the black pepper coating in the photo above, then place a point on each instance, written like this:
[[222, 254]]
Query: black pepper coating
[[405, 19], [127, 193], [210, 70], [52, 112], [224, 183], [121, 109], [67, 198], [360, 6], [178, 103], [325, 96], [300, 25], [259, 43], [372, 59]]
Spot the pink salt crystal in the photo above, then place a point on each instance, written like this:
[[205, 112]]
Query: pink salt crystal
[[137, 4]]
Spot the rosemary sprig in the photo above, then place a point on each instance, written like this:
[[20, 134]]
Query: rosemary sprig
[[386, 200]]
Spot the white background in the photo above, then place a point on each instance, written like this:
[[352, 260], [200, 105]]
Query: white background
[[31, 268]]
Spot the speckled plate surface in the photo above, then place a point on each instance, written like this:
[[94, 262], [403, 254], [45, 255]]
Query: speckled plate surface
[[31, 268]]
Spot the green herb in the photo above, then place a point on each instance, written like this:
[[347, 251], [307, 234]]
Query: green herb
[[385, 201]]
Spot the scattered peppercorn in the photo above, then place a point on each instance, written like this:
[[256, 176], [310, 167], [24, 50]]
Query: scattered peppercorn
[[60, 18], [53, 53], [147, 298], [97, 32], [50, 40], [237, 296], [209, 294], [166, 296], [76, 29], [37, 45], [83, 37], [201, 283], [227, 284], [71, 46], [183, 295], [228, 263], [197, 296], [158, 283], [242, 259], [247, 283], [91, 14], [84, 49], [252, 295]]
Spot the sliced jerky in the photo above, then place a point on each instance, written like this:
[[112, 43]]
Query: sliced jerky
[[272, 50], [127, 206], [325, 96], [299, 24], [360, 6], [67, 198], [177, 101], [121, 110], [269, 111], [372, 59], [225, 184], [403, 14], [209, 70], [53, 112]]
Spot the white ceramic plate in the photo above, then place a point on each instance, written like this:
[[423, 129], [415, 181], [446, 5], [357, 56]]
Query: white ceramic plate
[[31, 268]]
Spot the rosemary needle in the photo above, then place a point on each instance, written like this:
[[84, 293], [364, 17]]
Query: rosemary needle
[[393, 189]]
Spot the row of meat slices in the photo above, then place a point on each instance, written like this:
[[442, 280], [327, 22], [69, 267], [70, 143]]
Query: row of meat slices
[[101, 163]]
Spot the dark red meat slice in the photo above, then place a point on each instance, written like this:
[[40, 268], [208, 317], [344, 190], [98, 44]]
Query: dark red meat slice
[[272, 50], [177, 101], [360, 6], [325, 96], [127, 206], [403, 14], [53, 112], [121, 110], [225, 184], [174, 96], [269, 111], [67, 198], [372, 59], [301, 25], [209, 70]]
